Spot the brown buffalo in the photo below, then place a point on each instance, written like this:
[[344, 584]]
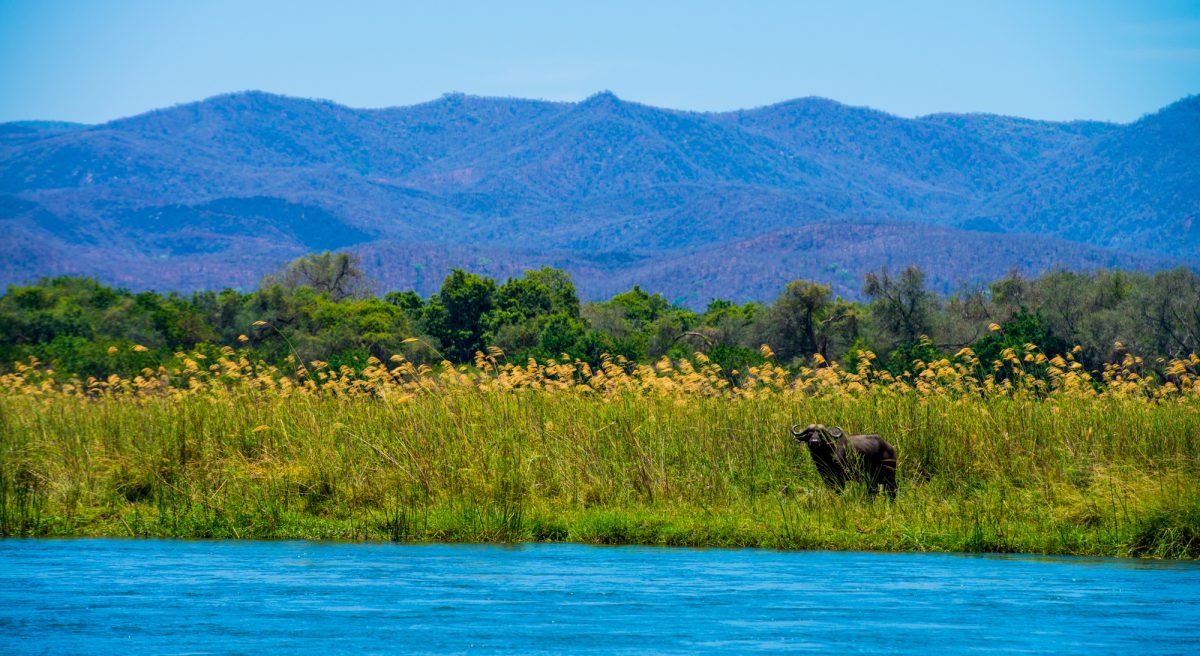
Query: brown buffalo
[[840, 457]]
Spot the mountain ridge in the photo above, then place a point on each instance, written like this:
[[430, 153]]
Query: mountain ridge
[[236, 179]]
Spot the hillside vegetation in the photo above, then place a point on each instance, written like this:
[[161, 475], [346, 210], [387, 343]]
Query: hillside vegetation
[[695, 205]]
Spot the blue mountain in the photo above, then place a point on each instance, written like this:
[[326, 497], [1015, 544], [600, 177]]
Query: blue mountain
[[696, 205]]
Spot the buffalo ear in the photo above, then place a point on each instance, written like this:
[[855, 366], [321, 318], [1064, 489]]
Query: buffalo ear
[[836, 432]]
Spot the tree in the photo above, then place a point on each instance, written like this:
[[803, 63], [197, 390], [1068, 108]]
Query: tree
[[639, 307], [806, 319], [1011, 293], [455, 315], [1094, 311], [732, 325], [624, 337], [636, 323], [558, 288], [539, 293], [338, 275], [966, 315], [790, 326], [408, 301], [562, 334], [902, 307], [525, 315], [1023, 328], [1169, 307]]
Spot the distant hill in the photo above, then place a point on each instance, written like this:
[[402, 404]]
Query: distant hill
[[697, 205]]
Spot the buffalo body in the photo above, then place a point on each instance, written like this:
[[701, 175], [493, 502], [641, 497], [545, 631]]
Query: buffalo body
[[840, 458]]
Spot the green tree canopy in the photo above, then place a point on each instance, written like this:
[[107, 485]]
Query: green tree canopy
[[455, 315]]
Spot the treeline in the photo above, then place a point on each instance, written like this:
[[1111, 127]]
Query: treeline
[[320, 308]]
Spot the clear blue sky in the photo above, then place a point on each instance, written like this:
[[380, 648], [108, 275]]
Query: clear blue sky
[[94, 61]]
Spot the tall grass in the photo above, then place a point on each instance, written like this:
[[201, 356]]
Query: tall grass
[[676, 453]]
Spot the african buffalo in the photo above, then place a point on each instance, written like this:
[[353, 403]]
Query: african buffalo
[[840, 457]]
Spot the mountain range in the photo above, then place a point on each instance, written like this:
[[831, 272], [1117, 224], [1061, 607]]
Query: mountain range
[[694, 205]]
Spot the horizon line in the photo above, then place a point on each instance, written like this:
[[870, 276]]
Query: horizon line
[[604, 92]]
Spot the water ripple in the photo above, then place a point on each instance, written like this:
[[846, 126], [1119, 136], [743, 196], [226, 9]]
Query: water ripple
[[197, 597]]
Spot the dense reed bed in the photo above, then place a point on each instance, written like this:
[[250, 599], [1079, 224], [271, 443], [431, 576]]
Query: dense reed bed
[[1027, 454]]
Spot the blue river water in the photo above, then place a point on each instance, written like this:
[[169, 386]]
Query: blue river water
[[200, 597]]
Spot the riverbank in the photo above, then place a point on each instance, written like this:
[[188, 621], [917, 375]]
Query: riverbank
[[668, 456], [1132, 527]]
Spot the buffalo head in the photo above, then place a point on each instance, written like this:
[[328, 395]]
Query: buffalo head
[[817, 435]]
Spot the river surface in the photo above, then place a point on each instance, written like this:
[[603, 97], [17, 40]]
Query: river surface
[[199, 597]]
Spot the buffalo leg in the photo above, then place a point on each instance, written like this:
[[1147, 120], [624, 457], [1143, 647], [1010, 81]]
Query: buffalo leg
[[889, 478]]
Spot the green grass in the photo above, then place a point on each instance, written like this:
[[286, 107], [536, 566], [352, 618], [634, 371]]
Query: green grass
[[1102, 476]]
